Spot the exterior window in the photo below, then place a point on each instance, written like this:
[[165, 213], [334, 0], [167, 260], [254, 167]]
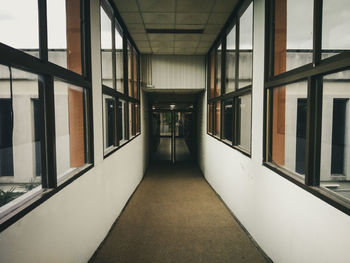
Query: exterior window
[[288, 122], [335, 167], [106, 49], [211, 74], [246, 48], [64, 37], [218, 72], [217, 118], [244, 121], [119, 61], [130, 70], [20, 122], [293, 34], [109, 121], [231, 113], [228, 121], [121, 122], [131, 120], [137, 118], [134, 74], [70, 127], [24, 22], [231, 61], [210, 118], [335, 25]]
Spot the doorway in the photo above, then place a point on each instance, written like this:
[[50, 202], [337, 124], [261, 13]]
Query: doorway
[[173, 135]]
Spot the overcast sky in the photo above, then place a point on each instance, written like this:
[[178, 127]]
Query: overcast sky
[[19, 24]]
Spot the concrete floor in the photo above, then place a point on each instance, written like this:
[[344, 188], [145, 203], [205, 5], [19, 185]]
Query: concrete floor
[[174, 216]]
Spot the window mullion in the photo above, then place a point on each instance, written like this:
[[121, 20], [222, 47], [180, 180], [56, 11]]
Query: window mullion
[[313, 132], [114, 82], [47, 98], [317, 32], [237, 54]]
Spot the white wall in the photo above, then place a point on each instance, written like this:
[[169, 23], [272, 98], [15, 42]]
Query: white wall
[[69, 226], [288, 223], [173, 71]]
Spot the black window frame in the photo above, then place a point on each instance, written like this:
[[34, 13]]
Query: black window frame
[[47, 72], [232, 21], [117, 23], [313, 73]]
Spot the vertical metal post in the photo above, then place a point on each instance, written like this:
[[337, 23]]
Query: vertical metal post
[[173, 136]]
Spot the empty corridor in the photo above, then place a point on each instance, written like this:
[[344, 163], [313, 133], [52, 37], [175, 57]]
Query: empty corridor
[[174, 216]]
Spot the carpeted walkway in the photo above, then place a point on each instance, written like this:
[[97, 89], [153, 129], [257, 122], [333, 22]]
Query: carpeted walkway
[[174, 216]]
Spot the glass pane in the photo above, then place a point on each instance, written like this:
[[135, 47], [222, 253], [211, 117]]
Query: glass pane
[[130, 70], [134, 74], [293, 34], [218, 72], [217, 118], [137, 117], [121, 121], [244, 106], [335, 148], [64, 41], [246, 48], [131, 119], [335, 27], [289, 126], [211, 74], [210, 118], [119, 61], [19, 25], [165, 124], [70, 130], [106, 49], [231, 60], [108, 121], [20, 137], [228, 118]]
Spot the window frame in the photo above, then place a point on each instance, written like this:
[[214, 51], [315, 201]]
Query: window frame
[[313, 73], [117, 24], [233, 21], [47, 72]]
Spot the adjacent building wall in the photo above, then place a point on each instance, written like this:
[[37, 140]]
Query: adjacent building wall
[[69, 226], [288, 223]]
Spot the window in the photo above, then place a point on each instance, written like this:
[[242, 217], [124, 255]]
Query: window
[[245, 53], [109, 121], [288, 126], [106, 49], [64, 37], [70, 128], [335, 170], [23, 21], [121, 122], [293, 34], [121, 104], [306, 136], [335, 25], [231, 61], [45, 115], [119, 61], [229, 88], [20, 156]]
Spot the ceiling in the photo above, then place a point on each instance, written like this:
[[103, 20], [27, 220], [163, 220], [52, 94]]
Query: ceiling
[[208, 15]]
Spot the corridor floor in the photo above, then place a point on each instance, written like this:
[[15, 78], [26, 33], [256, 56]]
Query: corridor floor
[[174, 216]]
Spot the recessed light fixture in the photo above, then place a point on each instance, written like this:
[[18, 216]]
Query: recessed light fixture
[[172, 106]]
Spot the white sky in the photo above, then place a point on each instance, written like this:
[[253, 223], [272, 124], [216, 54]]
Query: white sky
[[19, 25]]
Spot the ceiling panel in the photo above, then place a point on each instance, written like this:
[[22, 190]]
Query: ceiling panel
[[158, 18], [195, 6], [156, 5], [192, 18], [209, 15]]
